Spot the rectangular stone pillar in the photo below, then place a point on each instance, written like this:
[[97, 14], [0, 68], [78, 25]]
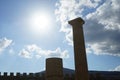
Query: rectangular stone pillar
[[81, 68]]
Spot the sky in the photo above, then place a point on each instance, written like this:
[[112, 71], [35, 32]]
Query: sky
[[33, 30]]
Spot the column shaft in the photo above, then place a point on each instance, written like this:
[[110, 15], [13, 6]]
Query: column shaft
[[81, 68]]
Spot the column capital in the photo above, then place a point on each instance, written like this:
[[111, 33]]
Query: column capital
[[76, 21]]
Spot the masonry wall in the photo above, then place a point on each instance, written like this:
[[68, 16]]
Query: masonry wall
[[34, 76], [24, 76]]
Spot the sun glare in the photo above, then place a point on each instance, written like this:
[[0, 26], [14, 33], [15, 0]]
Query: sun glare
[[40, 23]]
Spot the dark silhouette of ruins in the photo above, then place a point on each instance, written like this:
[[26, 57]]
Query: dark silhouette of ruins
[[54, 66], [81, 69], [93, 75], [54, 69]]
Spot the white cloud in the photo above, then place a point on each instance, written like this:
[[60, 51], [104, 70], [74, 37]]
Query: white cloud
[[88, 49], [116, 68], [58, 53], [24, 53], [4, 43], [67, 10], [33, 50], [108, 14], [102, 27], [69, 37]]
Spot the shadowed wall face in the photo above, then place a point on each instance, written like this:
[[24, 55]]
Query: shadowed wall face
[[81, 69], [54, 69]]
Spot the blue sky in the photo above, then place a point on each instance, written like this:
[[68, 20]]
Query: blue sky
[[26, 40]]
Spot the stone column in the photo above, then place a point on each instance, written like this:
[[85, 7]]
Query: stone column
[[81, 68], [54, 69]]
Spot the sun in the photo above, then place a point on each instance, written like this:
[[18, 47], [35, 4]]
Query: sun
[[39, 22]]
